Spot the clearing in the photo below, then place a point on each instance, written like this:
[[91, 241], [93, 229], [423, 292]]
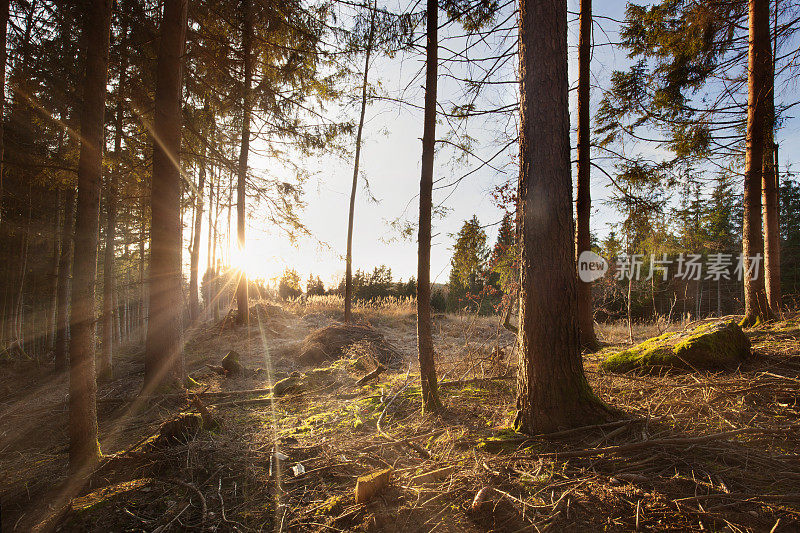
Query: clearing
[[696, 450]]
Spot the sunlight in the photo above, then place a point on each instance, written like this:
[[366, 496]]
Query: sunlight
[[250, 260]]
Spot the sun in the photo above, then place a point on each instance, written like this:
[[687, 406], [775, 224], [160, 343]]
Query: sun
[[252, 260]]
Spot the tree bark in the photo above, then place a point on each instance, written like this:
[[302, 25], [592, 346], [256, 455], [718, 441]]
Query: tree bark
[[84, 448], [53, 287], [194, 261], [584, 199], [164, 350], [142, 288], [552, 388], [756, 304], [348, 276], [106, 369], [242, 315], [772, 246], [427, 365], [61, 345], [4, 11]]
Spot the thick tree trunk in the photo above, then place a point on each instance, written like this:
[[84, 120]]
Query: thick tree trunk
[[584, 199], [552, 391], [755, 297], [348, 275], [194, 260], [105, 371], [772, 243], [61, 345], [427, 365], [84, 448], [142, 307], [242, 315], [53, 296], [4, 11], [210, 240], [164, 350]]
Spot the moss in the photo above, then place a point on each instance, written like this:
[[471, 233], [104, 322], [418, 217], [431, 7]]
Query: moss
[[332, 506], [504, 439], [711, 346]]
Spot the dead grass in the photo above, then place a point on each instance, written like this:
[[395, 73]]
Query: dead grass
[[696, 451]]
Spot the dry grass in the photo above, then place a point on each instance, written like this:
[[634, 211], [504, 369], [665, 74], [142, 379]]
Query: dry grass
[[695, 451], [392, 307]]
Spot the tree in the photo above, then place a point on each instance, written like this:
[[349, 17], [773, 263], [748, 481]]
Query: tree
[[164, 351], [194, 261], [757, 307], [503, 260], [289, 285], [348, 283], [314, 286], [469, 262], [61, 345], [427, 366], [106, 369], [552, 388], [790, 234], [584, 200], [242, 309], [4, 10], [769, 178], [84, 448]]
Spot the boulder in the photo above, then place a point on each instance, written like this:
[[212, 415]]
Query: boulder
[[231, 363], [714, 346]]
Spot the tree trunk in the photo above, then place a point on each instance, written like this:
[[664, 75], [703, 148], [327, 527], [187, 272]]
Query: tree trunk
[[772, 246], [584, 200], [53, 296], [247, 44], [64, 281], [4, 10], [106, 370], [194, 261], [427, 365], [84, 448], [755, 297], [164, 351], [348, 276], [142, 307], [553, 390]]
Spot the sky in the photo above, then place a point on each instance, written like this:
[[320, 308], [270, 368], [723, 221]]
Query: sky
[[390, 162]]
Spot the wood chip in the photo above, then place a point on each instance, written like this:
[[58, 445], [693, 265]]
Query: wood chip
[[433, 475], [367, 487]]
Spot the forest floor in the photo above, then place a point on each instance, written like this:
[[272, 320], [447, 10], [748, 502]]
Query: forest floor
[[695, 451]]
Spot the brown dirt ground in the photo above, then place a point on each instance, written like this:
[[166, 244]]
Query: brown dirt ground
[[739, 470]]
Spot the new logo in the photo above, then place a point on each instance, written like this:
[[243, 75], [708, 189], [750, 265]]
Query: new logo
[[591, 266]]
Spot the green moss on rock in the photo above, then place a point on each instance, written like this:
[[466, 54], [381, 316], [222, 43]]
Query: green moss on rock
[[709, 347]]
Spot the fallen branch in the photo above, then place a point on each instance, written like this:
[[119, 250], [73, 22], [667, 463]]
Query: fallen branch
[[193, 488], [680, 441], [372, 375]]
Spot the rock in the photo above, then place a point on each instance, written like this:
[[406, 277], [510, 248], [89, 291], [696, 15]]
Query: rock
[[707, 347], [293, 383], [231, 363]]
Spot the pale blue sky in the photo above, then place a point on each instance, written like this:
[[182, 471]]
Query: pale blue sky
[[391, 163]]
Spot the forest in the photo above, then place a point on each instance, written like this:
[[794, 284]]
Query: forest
[[377, 265]]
